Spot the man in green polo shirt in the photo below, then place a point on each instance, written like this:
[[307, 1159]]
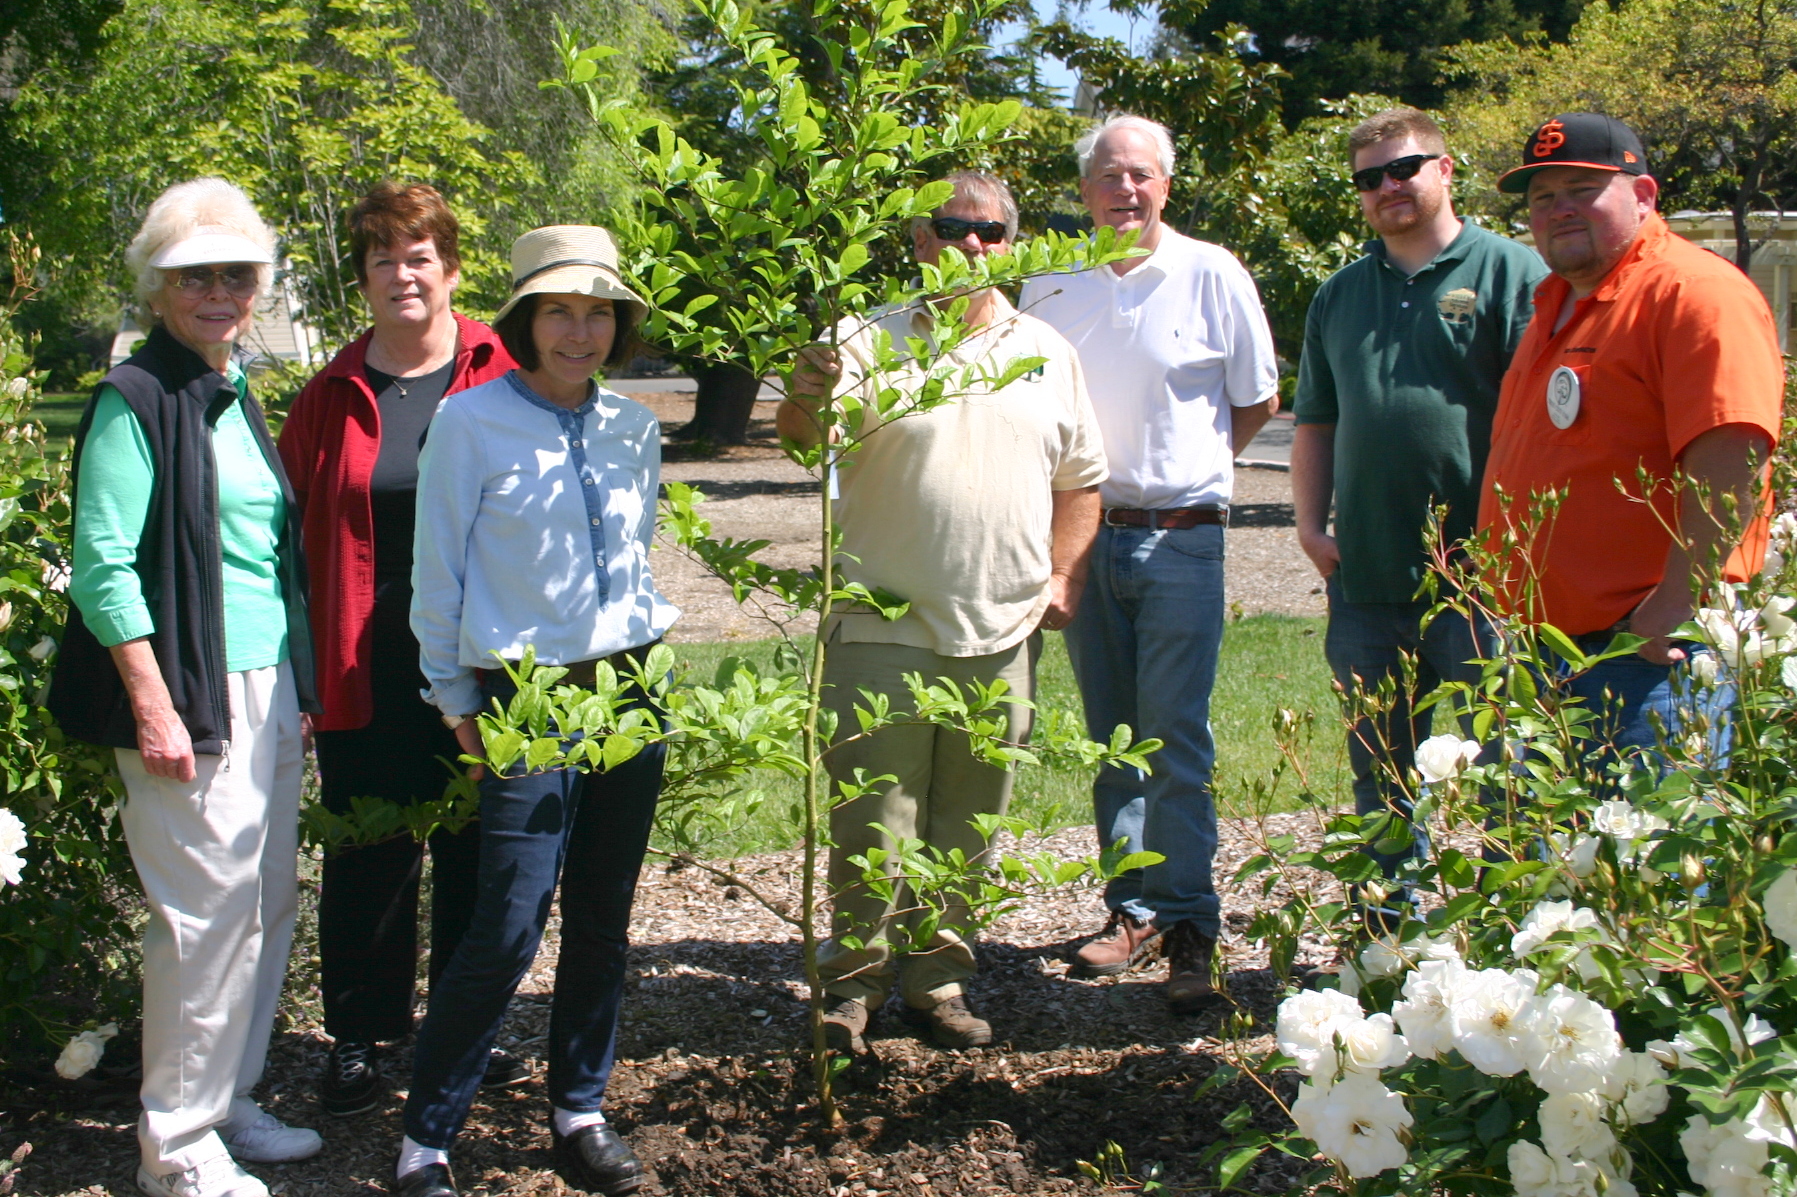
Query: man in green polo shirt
[[1404, 352]]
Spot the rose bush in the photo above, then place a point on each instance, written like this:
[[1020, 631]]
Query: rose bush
[[1594, 989]]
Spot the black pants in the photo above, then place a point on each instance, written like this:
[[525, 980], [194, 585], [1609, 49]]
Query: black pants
[[368, 909]]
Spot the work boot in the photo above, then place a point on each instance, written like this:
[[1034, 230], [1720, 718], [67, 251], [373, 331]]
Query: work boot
[[951, 1023], [845, 1026], [1125, 942], [1191, 959]]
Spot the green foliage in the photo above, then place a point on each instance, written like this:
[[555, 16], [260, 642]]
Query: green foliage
[[304, 105], [66, 942], [1332, 49], [1710, 86]]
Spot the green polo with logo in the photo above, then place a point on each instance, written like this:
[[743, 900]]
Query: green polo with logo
[[1408, 370]]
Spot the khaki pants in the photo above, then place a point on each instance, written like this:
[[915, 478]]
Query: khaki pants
[[941, 786], [218, 858]]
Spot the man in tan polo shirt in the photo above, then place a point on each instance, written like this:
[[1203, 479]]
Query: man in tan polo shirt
[[981, 513]]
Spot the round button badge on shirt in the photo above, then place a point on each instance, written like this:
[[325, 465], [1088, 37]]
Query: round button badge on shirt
[[1563, 397]]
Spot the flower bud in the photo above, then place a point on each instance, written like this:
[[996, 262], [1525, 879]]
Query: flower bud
[[16, 388], [5, 616], [1691, 871]]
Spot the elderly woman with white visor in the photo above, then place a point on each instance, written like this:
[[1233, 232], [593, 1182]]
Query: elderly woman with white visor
[[536, 506], [187, 652]]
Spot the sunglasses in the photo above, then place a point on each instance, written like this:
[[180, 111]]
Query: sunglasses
[[194, 281], [1398, 168], [953, 228]]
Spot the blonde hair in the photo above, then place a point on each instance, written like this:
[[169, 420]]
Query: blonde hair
[[199, 205]]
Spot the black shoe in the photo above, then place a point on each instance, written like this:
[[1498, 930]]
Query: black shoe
[[351, 1083], [432, 1180], [595, 1159], [504, 1070]]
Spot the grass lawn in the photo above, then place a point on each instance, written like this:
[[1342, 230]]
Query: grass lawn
[[60, 412], [1268, 662]]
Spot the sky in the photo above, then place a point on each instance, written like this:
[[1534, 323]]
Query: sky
[[1096, 18]]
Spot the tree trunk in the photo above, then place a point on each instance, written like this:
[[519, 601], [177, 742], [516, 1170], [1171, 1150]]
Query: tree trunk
[[722, 408]]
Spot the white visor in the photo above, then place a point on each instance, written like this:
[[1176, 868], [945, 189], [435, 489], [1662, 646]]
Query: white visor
[[210, 248]]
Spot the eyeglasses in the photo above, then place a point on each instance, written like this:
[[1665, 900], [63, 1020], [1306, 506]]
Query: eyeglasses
[[953, 228], [1398, 168], [194, 281]]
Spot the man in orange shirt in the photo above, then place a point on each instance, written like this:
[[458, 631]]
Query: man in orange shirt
[[1646, 357]]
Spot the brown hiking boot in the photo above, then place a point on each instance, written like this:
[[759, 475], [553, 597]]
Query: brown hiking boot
[[951, 1023], [1123, 944], [845, 1026], [1191, 959]]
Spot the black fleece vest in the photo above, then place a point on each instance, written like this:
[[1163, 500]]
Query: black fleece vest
[[178, 400]]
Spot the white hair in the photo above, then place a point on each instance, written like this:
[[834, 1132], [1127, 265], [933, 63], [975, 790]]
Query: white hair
[[210, 205], [1087, 145], [985, 187]]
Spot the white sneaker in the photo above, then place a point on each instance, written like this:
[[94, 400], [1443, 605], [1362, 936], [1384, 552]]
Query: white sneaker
[[217, 1177], [265, 1139]]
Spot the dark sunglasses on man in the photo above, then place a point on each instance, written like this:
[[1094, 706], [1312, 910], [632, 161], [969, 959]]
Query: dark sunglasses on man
[[239, 280], [953, 228], [1398, 168]]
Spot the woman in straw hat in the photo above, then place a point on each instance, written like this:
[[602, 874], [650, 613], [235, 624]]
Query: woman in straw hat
[[536, 505], [187, 652]]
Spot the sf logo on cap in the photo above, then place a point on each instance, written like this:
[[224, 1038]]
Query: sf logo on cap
[[1549, 138]]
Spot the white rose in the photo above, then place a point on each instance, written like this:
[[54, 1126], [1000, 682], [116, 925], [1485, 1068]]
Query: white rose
[[1372, 1043], [1533, 1173], [80, 1054], [1440, 757], [1490, 1017], [1780, 904], [1784, 528], [1382, 958], [42, 649], [1774, 618], [1704, 668], [12, 848], [16, 388], [1575, 1042], [1638, 1087], [1547, 919], [1424, 1012], [1572, 1124], [1582, 860], [1775, 561], [1675, 1054], [1355, 1122], [1718, 629], [1787, 672], [1728, 1160], [1308, 1023], [5, 616]]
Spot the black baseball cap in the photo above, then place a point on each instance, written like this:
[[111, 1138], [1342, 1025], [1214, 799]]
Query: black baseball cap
[[1577, 139]]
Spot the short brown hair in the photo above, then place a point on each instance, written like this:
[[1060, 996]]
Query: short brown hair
[[395, 212], [1397, 122], [514, 332]]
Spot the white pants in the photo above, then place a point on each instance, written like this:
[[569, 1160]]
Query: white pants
[[218, 857]]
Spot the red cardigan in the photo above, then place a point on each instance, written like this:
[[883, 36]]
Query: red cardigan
[[329, 446]]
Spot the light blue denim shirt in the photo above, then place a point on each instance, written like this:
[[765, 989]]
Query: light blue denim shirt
[[534, 526]]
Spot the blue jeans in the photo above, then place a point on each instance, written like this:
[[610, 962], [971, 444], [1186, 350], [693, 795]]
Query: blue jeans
[[1144, 649], [1366, 644], [597, 824], [1633, 694]]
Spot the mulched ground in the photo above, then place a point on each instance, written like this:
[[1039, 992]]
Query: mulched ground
[[713, 1095]]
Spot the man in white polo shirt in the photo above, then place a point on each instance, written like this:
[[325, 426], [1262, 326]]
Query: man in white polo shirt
[[1180, 367], [980, 512]]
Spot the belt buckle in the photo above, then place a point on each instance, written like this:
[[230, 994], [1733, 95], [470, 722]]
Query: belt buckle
[[1111, 523]]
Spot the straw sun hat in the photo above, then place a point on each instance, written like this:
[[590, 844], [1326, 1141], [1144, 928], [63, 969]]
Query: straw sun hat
[[567, 259]]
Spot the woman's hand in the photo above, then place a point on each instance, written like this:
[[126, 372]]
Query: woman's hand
[[162, 738], [166, 747], [467, 734]]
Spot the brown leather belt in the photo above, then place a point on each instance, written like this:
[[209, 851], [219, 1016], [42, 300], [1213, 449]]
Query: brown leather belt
[[1167, 517], [584, 673]]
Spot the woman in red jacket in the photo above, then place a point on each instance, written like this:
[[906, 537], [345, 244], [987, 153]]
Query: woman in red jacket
[[351, 446]]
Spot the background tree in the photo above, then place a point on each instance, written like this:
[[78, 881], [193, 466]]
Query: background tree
[[1710, 85], [1331, 49]]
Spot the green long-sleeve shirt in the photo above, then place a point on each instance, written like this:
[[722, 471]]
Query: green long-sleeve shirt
[[117, 478]]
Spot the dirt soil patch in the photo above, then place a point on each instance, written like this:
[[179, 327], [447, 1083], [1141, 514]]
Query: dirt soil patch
[[712, 1092]]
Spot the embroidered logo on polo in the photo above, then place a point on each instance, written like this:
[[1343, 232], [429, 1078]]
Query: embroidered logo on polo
[[1456, 307]]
